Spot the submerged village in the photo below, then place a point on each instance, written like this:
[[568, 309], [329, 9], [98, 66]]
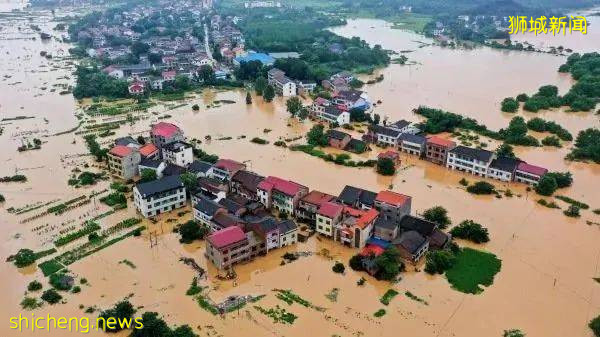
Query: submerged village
[[224, 168]]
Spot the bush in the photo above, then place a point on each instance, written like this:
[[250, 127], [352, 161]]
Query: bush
[[30, 303], [258, 140], [587, 146], [195, 107], [121, 310], [563, 179], [509, 104], [572, 211], [439, 215], [464, 182], [513, 333], [389, 264], [438, 261], [595, 326], [546, 186], [472, 231], [386, 167], [76, 289], [24, 257], [481, 187], [522, 97], [551, 141], [192, 230], [61, 281], [34, 286], [338, 267], [51, 296], [356, 262], [2, 199]]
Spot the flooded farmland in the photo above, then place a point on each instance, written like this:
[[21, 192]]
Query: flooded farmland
[[545, 287]]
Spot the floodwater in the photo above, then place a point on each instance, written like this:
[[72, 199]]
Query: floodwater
[[545, 287]]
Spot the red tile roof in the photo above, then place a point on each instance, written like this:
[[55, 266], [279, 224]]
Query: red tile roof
[[367, 218], [535, 170], [229, 165], [317, 198], [330, 209], [148, 149], [371, 250], [286, 187], [164, 129], [392, 198], [440, 141], [121, 151], [353, 211], [321, 101], [226, 237]]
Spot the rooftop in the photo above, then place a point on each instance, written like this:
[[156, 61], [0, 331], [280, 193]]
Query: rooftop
[[284, 186], [367, 218], [226, 237], [198, 166], [335, 134], [317, 198], [120, 151], [164, 129], [392, 198], [411, 223], [532, 169], [413, 138], [148, 149], [387, 131], [440, 141], [229, 165], [411, 241], [330, 209], [505, 164], [160, 185], [207, 206], [469, 152]]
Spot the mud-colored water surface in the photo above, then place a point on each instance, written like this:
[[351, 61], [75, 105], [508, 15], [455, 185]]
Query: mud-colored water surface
[[545, 287]]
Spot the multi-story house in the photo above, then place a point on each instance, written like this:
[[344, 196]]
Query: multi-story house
[[470, 160], [436, 149], [392, 205], [404, 127], [529, 174], [123, 161], [282, 84], [385, 136], [338, 139], [231, 245], [200, 168], [356, 227], [283, 195], [149, 151], [165, 133], [503, 168], [159, 196], [334, 115], [357, 197], [352, 99], [309, 205], [178, 153], [205, 209], [288, 233], [275, 233], [412, 144], [245, 183], [327, 218], [412, 246], [225, 169]]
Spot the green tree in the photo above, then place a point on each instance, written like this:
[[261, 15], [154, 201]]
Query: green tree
[[24, 257], [438, 261], [2, 199], [338, 268], [510, 104], [260, 85], [563, 179], [294, 105], [587, 145], [51, 296], [34, 285], [122, 310], [316, 136], [472, 231], [192, 230], [269, 93], [386, 167], [147, 175], [522, 97], [389, 264], [248, 98], [595, 326], [513, 333], [481, 187], [153, 326], [182, 82], [356, 262], [206, 74], [505, 150], [438, 215], [546, 185], [189, 180]]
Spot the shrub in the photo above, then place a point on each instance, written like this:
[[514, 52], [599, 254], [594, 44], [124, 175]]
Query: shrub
[[472, 231], [595, 326], [481, 187], [572, 211], [24, 257], [386, 167], [522, 97], [510, 104], [338, 267], [438, 261], [192, 230], [30, 303], [551, 141], [379, 313], [546, 186], [51, 296], [464, 182], [563, 179], [356, 262], [61, 281], [439, 215], [76, 289], [258, 140], [195, 107], [121, 310], [34, 286], [2, 199], [513, 333], [387, 297]]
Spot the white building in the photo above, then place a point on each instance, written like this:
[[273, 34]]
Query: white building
[[288, 233], [282, 84], [332, 114], [474, 161], [178, 153], [159, 196], [503, 168]]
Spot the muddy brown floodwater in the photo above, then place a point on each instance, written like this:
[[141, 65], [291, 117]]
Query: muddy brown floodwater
[[545, 287]]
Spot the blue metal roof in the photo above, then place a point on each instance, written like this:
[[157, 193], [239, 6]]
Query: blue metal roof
[[264, 58], [378, 242]]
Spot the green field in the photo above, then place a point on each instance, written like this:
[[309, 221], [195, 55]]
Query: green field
[[472, 269]]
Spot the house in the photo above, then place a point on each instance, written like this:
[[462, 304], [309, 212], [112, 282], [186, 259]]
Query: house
[[136, 88], [305, 87], [127, 141], [165, 133], [384, 135], [385, 229], [178, 153], [318, 106], [436, 149], [404, 127], [334, 115], [268, 231], [265, 59], [283, 85], [412, 144], [288, 233], [159, 196], [356, 227], [357, 197], [169, 75], [222, 220], [392, 205], [245, 183], [391, 155], [338, 139], [529, 174], [173, 170], [231, 245], [503, 168], [225, 169], [327, 218], [345, 75], [200, 168], [309, 205], [412, 246], [149, 151], [114, 71], [474, 161], [235, 206], [352, 99], [213, 189], [283, 195], [205, 209], [155, 165], [123, 161]]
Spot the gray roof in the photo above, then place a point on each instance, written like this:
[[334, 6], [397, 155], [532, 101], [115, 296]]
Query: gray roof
[[173, 170], [333, 111], [286, 226], [160, 185], [378, 129], [198, 166], [207, 206], [505, 164], [349, 95], [384, 223], [399, 124], [335, 134], [478, 154], [176, 146], [230, 205], [412, 241], [126, 141], [151, 163], [413, 138], [411, 223], [350, 195]]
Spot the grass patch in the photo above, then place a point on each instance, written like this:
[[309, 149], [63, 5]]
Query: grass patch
[[415, 297], [278, 314], [333, 294], [88, 229], [472, 269], [290, 297], [194, 288], [379, 313], [573, 202], [387, 297], [550, 204], [206, 305], [50, 267]]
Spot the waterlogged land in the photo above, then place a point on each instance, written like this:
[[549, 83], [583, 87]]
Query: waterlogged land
[[545, 287]]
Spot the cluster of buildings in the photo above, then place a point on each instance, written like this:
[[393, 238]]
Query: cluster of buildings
[[286, 86]]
